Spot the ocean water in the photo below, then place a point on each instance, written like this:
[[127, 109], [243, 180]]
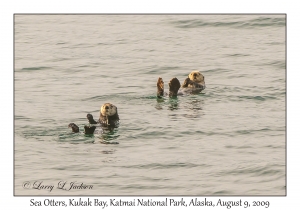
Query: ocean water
[[228, 140]]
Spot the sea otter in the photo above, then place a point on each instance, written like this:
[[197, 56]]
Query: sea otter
[[193, 84], [109, 119], [109, 115]]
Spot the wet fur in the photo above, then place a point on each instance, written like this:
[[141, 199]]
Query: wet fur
[[109, 119], [109, 115], [194, 83]]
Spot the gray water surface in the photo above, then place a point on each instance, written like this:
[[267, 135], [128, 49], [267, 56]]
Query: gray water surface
[[227, 140]]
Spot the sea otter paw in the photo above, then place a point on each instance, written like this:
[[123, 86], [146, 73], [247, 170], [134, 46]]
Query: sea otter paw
[[91, 119], [186, 82], [89, 129], [174, 86], [74, 127], [199, 86], [160, 87]]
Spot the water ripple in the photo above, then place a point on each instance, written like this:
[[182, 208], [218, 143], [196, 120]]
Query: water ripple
[[250, 24]]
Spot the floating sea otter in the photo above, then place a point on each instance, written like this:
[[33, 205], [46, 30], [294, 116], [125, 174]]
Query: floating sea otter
[[109, 119], [193, 84]]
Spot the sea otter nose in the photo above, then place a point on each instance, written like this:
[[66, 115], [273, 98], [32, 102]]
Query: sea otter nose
[[195, 75], [106, 107]]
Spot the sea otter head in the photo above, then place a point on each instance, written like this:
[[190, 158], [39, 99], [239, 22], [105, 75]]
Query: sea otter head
[[197, 77], [108, 109]]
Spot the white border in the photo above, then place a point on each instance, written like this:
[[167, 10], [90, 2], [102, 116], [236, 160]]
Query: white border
[[8, 8]]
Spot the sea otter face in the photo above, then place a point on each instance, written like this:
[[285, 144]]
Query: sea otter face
[[108, 109], [197, 77]]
